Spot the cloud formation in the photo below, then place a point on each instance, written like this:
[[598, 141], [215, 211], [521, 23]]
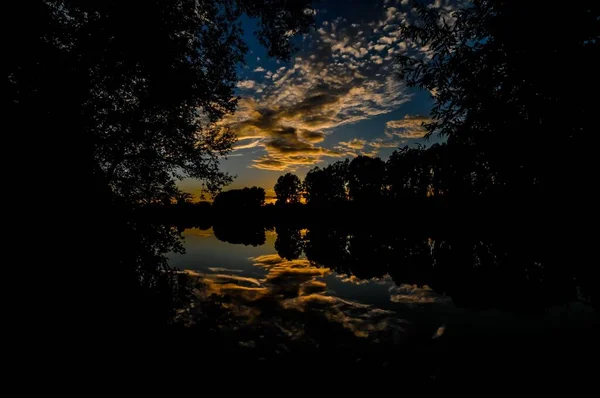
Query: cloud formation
[[355, 147], [355, 143], [411, 127], [344, 74], [397, 133], [246, 84]]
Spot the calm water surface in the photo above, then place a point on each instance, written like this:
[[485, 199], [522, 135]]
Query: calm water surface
[[263, 288]]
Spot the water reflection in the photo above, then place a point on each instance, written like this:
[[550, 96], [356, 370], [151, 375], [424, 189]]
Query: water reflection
[[296, 301], [289, 242], [372, 296], [476, 271]]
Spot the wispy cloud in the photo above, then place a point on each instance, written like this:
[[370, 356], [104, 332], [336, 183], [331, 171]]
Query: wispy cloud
[[354, 147], [344, 75], [247, 84], [410, 127], [397, 133], [355, 143], [252, 144]]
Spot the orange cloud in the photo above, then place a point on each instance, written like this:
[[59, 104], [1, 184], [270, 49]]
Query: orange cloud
[[354, 143], [291, 112], [411, 127]]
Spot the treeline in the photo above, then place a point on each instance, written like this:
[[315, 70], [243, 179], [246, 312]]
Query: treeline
[[410, 174], [438, 177], [439, 174], [231, 204], [419, 183]]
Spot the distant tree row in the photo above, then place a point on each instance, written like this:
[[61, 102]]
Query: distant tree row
[[240, 199], [413, 173]]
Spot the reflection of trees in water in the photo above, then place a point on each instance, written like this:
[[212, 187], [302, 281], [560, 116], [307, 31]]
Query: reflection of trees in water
[[240, 233], [289, 242], [523, 269], [327, 246], [515, 271], [140, 289]]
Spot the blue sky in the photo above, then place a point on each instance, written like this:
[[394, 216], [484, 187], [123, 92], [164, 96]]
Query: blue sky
[[338, 96]]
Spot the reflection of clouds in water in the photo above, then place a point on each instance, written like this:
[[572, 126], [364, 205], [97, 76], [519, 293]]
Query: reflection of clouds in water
[[362, 320], [311, 287], [221, 269], [439, 332], [291, 297], [267, 259], [353, 279], [414, 295], [202, 233], [225, 278]]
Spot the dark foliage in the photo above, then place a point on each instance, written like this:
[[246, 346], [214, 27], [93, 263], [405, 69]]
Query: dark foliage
[[366, 178], [140, 88], [136, 90], [328, 185], [240, 200], [510, 83], [288, 189]]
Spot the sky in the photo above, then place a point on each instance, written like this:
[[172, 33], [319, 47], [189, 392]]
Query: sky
[[338, 97]]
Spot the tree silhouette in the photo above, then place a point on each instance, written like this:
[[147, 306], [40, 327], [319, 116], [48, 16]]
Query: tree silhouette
[[408, 173], [509, 120], [338, 173], [437, 160], [366, 178], [316, 186], [136, 91], [288, 189], [140, 89], [240, 200], [328, 185]]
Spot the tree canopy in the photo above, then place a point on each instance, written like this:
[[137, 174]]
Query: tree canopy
[[408, 173], [366, 177], [327, 185], [288, 189], [236, 200], [135, 90], [141, 88], [510, 83]]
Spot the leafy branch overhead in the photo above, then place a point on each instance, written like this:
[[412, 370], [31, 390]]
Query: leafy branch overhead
[[143, 85]]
